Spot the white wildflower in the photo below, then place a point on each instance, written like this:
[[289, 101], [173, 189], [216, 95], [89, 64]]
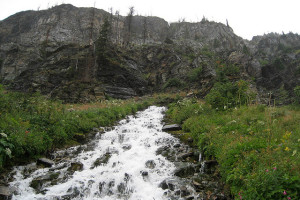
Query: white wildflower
[[8, 151], [3, 135]]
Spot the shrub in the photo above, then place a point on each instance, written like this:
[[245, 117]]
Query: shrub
[[173, 82], [297, 94], [228, 95], [195, 74]]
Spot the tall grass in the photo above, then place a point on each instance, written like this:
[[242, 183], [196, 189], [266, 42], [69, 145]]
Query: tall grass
[[257, 147], [31, 126]]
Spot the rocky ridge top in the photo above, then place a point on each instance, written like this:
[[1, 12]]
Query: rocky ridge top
[[53, 51]]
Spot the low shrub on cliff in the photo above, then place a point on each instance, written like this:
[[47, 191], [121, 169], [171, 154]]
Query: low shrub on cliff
[[257, 147], [32, 125]]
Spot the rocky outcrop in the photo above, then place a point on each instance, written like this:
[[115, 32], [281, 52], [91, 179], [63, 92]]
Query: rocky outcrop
[[54, 52]]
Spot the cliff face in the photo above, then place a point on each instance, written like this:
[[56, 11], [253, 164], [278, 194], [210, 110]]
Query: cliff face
[[54, 52]]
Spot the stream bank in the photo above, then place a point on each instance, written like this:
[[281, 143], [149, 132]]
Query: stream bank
[[133, 160]]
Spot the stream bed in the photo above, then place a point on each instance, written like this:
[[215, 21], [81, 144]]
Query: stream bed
[[135, 160]]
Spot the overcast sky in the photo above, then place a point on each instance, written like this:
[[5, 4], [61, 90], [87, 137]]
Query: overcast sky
[[247, 17]]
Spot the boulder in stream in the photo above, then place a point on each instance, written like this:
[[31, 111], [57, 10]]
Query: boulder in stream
[[5, 192], [171, 127], [102, 160], [75, 166], [45, 161]]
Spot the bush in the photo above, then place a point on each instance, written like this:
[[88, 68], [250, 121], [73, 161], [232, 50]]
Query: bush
[[195, 74], [173, 82], [228, 95], [297, 94]]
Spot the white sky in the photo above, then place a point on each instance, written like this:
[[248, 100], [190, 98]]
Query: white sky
[[247, 17]]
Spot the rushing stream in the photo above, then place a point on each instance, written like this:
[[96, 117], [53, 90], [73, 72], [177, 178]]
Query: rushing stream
[[128, 167], [135, 160]]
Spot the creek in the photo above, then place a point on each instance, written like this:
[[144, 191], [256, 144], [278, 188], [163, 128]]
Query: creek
[[134, 160]]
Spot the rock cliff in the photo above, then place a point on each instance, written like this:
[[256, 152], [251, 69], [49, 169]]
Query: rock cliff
[[55, 52]]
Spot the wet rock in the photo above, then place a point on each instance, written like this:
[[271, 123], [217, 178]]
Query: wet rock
[[190, 140], [5, 193], [210, 166], [79, 137], [171, 127], [150, 164], [74, 193], [191, 197], [184, 191], [184, 169], [161, 149], [177, 145], [96, 130], [126, 147], [38, 182], [75, 166], [168, 184], [184, 156], [144, 173], [102, 160], [45, 161]]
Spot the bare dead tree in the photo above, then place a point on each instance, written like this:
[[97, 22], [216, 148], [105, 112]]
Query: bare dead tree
[[145, 29], [117, 27], [129, 24]]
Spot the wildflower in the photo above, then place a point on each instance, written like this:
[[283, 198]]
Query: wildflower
[[287, 149], [267, 170], [3, 135], [289, 198], [274, 168], [284, 192], [8, 151]]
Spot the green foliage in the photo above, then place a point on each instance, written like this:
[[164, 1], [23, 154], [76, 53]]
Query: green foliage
[[226, 70], [195, 74], [263, 62], [32, 125], [278, 64], [257, 147], [246, 50], [297, 94], [102, 43], [228, 95], [173, 82], [207, 52], [168, 41]]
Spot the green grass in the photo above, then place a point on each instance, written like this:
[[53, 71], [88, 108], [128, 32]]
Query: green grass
[[32, 126], [257, 147]]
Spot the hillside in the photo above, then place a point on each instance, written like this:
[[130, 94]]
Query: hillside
[[57, 52]]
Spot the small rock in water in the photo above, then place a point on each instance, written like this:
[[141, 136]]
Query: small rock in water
[[96, 130], [144, 173], [177, 145], [126, 147], [171, 127], [45, 161], [75, 166], [102, 160], [150, 164], [5, 192]]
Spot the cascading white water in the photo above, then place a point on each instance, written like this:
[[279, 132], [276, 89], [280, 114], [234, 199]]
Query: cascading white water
[[132, 171]]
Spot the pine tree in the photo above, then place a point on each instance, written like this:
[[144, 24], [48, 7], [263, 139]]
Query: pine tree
[[103, 42]]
